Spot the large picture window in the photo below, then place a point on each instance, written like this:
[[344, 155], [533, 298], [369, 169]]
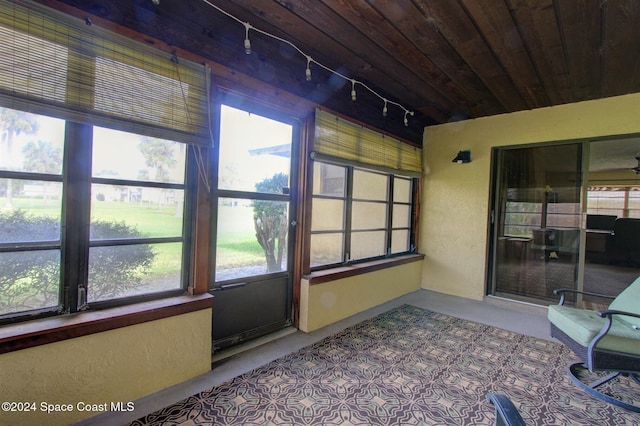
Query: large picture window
[[362, 193], [132, 203], [358, 214], [100, 136]]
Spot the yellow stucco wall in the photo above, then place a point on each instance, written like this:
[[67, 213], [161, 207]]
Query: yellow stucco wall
[[455, 198], [114, 366], [325, 303]]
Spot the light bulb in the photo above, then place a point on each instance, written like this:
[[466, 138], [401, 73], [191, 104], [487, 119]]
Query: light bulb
[[406, 121], [247, 42], [384, 109], [353, 90], [308, 70]]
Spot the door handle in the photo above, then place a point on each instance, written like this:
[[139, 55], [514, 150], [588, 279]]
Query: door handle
[[231, 286]]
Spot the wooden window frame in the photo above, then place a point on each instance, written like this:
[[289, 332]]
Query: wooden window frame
[[347, 228]]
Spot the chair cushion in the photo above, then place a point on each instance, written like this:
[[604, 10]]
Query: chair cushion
[[582, 325], [629, 301]]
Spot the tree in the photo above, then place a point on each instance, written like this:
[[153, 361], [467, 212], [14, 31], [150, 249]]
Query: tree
[[42, 157], [271, 222], [159, 154], [12, 123]]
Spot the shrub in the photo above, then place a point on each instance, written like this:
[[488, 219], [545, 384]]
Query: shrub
[[31, 279]]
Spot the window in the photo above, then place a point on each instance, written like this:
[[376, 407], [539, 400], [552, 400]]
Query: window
[[137, 215], [521, 218], [620, 202], [30, 211], [132, 203], [358, 214], [362, 193], [254, 170], [97, 165]]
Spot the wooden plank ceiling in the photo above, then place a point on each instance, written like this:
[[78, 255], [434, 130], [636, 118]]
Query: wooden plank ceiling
[[447, 60]]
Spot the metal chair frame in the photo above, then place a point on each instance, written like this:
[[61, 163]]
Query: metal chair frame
[[598, 359], [506, 413]]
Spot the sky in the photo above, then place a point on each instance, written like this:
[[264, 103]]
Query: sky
[[241, 132]]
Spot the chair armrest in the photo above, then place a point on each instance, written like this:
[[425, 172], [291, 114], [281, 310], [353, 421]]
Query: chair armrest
[[562, 291], [506, 413], [607, 312]]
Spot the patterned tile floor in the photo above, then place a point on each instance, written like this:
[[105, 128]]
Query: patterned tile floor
[[406, 366], [521, 318]]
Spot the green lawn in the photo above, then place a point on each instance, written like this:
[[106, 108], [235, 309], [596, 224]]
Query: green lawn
[[235, 248]]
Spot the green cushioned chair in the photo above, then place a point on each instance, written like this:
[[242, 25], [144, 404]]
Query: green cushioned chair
[[606, 340]]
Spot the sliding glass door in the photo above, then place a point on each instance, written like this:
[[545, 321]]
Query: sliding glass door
[[535, 221], [612, 240]]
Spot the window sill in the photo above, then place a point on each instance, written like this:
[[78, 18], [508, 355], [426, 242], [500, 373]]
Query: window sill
[[41, 332], [333, 274]]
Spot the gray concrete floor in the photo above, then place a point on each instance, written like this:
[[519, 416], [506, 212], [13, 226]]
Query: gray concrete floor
[[519, 317]]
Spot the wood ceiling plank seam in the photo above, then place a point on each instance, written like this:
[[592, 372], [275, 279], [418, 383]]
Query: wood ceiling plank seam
[[323, 20], [459, 30], [497, 28], [429, 43], [577, 19], [565, 47], [269, 64], [620, 34], [603, 46], [392, 42], [539, 30], [371, 22], [512, 51]]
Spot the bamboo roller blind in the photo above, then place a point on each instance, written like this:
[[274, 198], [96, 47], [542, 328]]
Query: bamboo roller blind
[[340, 141], [56, 64]]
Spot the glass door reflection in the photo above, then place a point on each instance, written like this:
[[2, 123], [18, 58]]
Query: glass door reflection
[[536, 226]]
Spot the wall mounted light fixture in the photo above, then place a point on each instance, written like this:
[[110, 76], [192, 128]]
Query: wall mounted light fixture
[[462, 157]]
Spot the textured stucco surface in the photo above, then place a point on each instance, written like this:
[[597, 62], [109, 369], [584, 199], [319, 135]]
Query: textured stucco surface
[[114, 366], [326, 303], [455, 197]]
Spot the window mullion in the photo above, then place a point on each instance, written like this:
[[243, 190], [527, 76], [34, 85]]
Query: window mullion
[[390, 182], [348, 215], [415, 214], [76, 215]]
